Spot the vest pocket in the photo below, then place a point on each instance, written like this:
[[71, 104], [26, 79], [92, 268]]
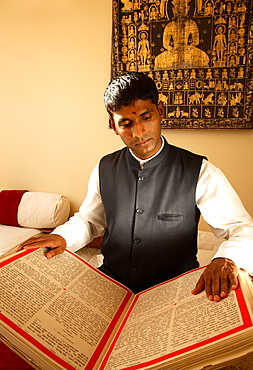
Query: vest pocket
[[170, 217]]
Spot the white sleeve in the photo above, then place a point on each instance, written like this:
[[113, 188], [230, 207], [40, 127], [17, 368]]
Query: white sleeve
[[89, 222], [223, 210]]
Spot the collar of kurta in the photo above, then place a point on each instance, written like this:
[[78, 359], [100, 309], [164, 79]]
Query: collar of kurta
[[150, 162]]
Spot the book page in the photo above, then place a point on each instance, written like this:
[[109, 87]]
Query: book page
[[64, 307], [168, 319]]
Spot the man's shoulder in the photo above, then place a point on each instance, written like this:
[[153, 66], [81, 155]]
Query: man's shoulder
[[185, 152], [114, 155]]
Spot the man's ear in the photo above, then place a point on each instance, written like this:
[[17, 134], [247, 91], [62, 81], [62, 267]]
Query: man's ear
[[160, 108], [112, 125]]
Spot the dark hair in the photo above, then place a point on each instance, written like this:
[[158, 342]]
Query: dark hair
[[128, 87]]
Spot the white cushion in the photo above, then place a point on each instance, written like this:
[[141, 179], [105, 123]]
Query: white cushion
[[43, 210]]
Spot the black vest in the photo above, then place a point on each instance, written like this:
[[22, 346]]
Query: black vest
[[151, 216]]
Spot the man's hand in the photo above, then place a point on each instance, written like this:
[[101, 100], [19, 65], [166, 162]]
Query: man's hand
[[217, 278], [56, 244]]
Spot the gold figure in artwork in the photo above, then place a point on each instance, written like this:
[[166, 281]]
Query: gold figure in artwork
[[162, 8], [128, 5], [180, 38], [209, 9], [143, 51], [219, 47]]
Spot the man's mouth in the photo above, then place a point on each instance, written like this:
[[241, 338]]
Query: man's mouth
[[143, 143]]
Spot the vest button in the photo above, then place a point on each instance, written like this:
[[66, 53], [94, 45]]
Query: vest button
[[137, 241], [141, 178], [134, 269], [138, 210]]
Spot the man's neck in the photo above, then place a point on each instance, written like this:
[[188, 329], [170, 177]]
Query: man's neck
[[143, 161]]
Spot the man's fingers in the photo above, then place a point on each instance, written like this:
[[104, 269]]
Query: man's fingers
[[204, 282], [233, 280], [216, 289], [224, 286], [217, 279], [53, 252], [54, 243], [199, 286], [30, 243]]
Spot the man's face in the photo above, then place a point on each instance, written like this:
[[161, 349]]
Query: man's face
[[139, 127]]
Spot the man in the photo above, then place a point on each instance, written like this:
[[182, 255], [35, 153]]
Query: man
[[147, 197]]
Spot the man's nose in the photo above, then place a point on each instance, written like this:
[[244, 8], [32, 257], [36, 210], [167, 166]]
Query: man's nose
[[138, 129]]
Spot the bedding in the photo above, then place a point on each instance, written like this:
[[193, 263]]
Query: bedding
[[24, 214], [208, 245], [9, 203], [43, 210], [12, 236], [33, 209]]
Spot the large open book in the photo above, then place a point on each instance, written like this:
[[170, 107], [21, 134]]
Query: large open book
[[62, 313]]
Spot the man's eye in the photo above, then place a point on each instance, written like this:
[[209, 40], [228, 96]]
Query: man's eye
[[146, 118], [125, 125]]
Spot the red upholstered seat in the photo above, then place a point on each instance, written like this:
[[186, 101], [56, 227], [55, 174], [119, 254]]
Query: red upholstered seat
[[9, 360]]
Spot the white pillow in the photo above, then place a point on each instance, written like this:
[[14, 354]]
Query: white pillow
[[12, 236], [43, 210]]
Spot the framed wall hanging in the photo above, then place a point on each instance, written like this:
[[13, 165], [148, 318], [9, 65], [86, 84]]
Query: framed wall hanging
[[199, 53]]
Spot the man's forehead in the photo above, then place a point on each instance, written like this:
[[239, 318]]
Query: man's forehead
[[136, 107], [130, 114]]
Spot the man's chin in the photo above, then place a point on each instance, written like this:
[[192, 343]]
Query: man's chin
[[143, 154]]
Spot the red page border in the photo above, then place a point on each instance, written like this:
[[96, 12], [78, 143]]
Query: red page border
[[41, 347], [247, 322]]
